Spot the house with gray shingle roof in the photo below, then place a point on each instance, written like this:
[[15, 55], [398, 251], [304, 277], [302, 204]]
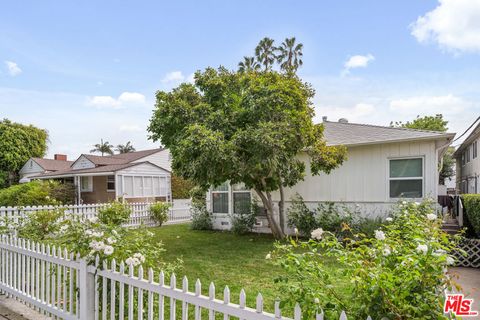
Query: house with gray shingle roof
[[384, 165], [135, 176]]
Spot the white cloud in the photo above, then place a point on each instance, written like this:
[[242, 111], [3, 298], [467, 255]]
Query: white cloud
[[131, 97], [447, 105], [453, 25], [13, 68], [126, 98], [173, 77], [357, 61], [355, 113]]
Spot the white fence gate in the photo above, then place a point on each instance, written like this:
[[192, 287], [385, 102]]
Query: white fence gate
[[179, 212], [56, 283]]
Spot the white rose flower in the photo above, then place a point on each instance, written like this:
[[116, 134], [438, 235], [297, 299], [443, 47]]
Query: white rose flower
[[268, 256], [389, 219], [422, 248], [295, 230], [129, 261], [317, 301], [89, 232], [93, 219], [108, 250], [450, 261], [317, 234], [111, 240], [431, 216], [404, 202], [114, 232], [386, 252], [379, 235], [139, 257]]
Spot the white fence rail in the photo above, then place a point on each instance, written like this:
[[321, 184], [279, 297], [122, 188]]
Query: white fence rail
[[179, 212], [56, 283]]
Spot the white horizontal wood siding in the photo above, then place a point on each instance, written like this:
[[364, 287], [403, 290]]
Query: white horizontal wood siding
[[83, 163], [161, 159], [30, 168], [470, 171], [364, 176]]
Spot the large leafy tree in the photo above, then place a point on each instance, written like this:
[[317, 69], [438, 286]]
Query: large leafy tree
[[290, 55], [265, 53], [433, 123], [18, 143], [103, 147], [125, 148], [243, 127]]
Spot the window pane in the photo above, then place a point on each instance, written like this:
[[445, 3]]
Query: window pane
[[147, 188], [406, 168], [222, 187], [128, 181], [111, 183], [406, 188], [220, 202], [241, 202], [138, 186]]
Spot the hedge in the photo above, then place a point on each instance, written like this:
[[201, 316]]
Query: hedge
[[472, 210], [37, 193]]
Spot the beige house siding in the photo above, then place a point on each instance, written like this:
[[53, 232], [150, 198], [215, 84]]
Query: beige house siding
[[99, 193]]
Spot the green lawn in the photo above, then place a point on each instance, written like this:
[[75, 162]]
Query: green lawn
[[225, 258]]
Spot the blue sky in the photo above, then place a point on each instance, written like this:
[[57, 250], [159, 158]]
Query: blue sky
[[87, 70]]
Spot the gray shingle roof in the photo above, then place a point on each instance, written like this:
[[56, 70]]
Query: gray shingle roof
[[99, 169], [120, 158], [52, 165], [340, 133]]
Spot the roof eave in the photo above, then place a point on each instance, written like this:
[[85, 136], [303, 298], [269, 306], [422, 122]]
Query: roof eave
[[438, 137]]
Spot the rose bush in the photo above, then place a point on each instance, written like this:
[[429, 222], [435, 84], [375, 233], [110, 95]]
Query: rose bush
[[399, 273]]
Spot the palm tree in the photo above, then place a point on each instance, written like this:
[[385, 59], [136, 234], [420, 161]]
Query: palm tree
[[125, 148], [265, 52], [103, 147], [290, 57], [248, 64]]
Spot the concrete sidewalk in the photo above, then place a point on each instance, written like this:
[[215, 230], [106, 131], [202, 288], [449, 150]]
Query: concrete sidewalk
[[12, 309], [469, 279]]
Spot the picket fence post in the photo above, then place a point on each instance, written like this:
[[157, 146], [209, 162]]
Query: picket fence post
[[87, 291]]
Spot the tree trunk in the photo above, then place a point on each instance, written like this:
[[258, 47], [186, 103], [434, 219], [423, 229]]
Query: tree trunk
[[281, 210], [268, 204]]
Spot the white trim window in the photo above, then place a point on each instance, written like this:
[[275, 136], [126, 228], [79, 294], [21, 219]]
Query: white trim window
[[220, 198], [86, 184], [242, 198], [475, 151], [406, 177], [468, 154], [111, 183]]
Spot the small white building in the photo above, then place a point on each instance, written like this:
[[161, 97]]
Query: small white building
[[384, 164], [135, 176]]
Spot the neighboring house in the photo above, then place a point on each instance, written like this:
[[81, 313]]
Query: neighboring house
[[468, 164], [384, 164], [135, 176]]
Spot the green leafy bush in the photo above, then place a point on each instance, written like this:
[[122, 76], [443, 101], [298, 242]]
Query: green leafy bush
[[37, 193], [201, 218], [244, 221], [40, 225], [181, 188], [115, 213], [472, 210], [159, 212], [300, 216], [397, 274]]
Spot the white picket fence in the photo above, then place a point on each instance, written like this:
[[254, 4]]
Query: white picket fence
[[57, 283], [179, 212]]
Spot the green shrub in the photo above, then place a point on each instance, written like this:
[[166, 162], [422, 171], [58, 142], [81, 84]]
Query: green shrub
[[201, 218], [397, 274], [115, 213], [37, 193], [300, 217], [472, 210], [40, 225], [244, 221], [159, 212], [181, 188]]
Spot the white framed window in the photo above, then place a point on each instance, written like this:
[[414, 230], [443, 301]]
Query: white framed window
[[475, 151], [406, 177], [242, 198], [86, 184], [467, 154], [110, 183], [220, 198]]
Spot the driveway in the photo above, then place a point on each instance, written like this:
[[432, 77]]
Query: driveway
[[469, 279]]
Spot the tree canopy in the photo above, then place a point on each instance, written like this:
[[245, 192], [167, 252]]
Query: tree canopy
[[18, 143], [125, 148], [103, 147], [243, 127]]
